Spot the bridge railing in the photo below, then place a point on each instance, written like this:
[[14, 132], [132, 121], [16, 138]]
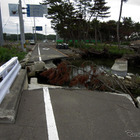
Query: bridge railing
[[8, 73]]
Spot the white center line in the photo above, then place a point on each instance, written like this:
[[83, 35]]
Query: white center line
[[51, 125], [39, 54]]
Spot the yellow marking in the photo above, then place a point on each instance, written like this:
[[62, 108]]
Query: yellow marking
[[60, 52]]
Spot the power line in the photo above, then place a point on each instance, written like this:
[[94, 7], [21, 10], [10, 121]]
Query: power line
[[6, 22]]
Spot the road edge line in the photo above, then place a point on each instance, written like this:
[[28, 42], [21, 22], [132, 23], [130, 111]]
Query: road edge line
[[50, 119], [39, 54]]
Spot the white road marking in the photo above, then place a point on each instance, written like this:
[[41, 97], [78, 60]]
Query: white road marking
[[40, 59], [50, 119], [45, 49]]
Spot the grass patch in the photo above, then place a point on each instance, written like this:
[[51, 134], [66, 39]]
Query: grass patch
[[111, 49], [116, 51], [6, 53]]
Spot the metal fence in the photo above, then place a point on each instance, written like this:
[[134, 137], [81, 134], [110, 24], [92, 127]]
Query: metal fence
[[8, 73]]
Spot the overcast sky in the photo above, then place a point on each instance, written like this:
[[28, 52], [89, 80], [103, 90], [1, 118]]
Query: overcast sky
[[10, 23], [130, 9]]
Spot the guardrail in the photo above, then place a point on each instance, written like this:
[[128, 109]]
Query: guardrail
[[8, 73]]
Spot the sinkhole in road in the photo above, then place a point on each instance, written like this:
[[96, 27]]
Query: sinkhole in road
[[67, 70], [57, 61]]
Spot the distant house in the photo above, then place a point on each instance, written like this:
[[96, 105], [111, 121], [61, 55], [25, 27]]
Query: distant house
[[134, 36]]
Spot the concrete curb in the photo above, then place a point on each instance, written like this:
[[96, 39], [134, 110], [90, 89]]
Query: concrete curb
[[138, 99], [26, 58], [9, 106]]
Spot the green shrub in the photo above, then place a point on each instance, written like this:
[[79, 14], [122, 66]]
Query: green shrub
[[59, 41], [125, 43], [116, 51], [113, 49], [6, 53]]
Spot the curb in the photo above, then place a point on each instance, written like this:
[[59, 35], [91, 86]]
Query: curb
[[9, 106], [138, 99]]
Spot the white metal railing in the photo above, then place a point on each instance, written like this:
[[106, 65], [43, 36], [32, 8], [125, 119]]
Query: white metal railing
[[8, 73]]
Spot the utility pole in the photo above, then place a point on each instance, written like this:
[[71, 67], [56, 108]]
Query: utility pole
[[21, 26], [1, 30], [35, 37]]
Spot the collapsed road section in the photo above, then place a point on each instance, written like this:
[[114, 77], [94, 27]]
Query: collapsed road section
[[43, 64]]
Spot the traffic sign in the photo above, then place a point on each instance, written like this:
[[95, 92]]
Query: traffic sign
[[36, 10], [38, 28], [13, 10]]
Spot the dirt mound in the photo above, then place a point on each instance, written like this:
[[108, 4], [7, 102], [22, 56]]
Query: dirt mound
[[137, 42]]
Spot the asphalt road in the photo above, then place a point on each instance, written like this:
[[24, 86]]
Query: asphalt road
[[45, 52], [78, 115], [30, 122]]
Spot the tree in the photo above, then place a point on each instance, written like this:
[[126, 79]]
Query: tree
[[127, 27], [108, 30], [118, 24], [62, 14], [83, 13], [99, 10], [71, 18], [82, 8]]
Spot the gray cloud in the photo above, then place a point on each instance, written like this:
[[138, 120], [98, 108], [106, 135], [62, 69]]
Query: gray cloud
[[134, 2]]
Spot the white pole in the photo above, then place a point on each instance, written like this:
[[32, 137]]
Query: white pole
[[21, 26], [1, 30]]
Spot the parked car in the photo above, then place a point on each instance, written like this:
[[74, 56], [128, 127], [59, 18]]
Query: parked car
[[32, 42], [62, 46]]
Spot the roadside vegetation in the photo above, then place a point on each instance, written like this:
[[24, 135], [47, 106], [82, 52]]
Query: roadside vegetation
[[7, 52], [28, 36], [114, 50], [111, 49]]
